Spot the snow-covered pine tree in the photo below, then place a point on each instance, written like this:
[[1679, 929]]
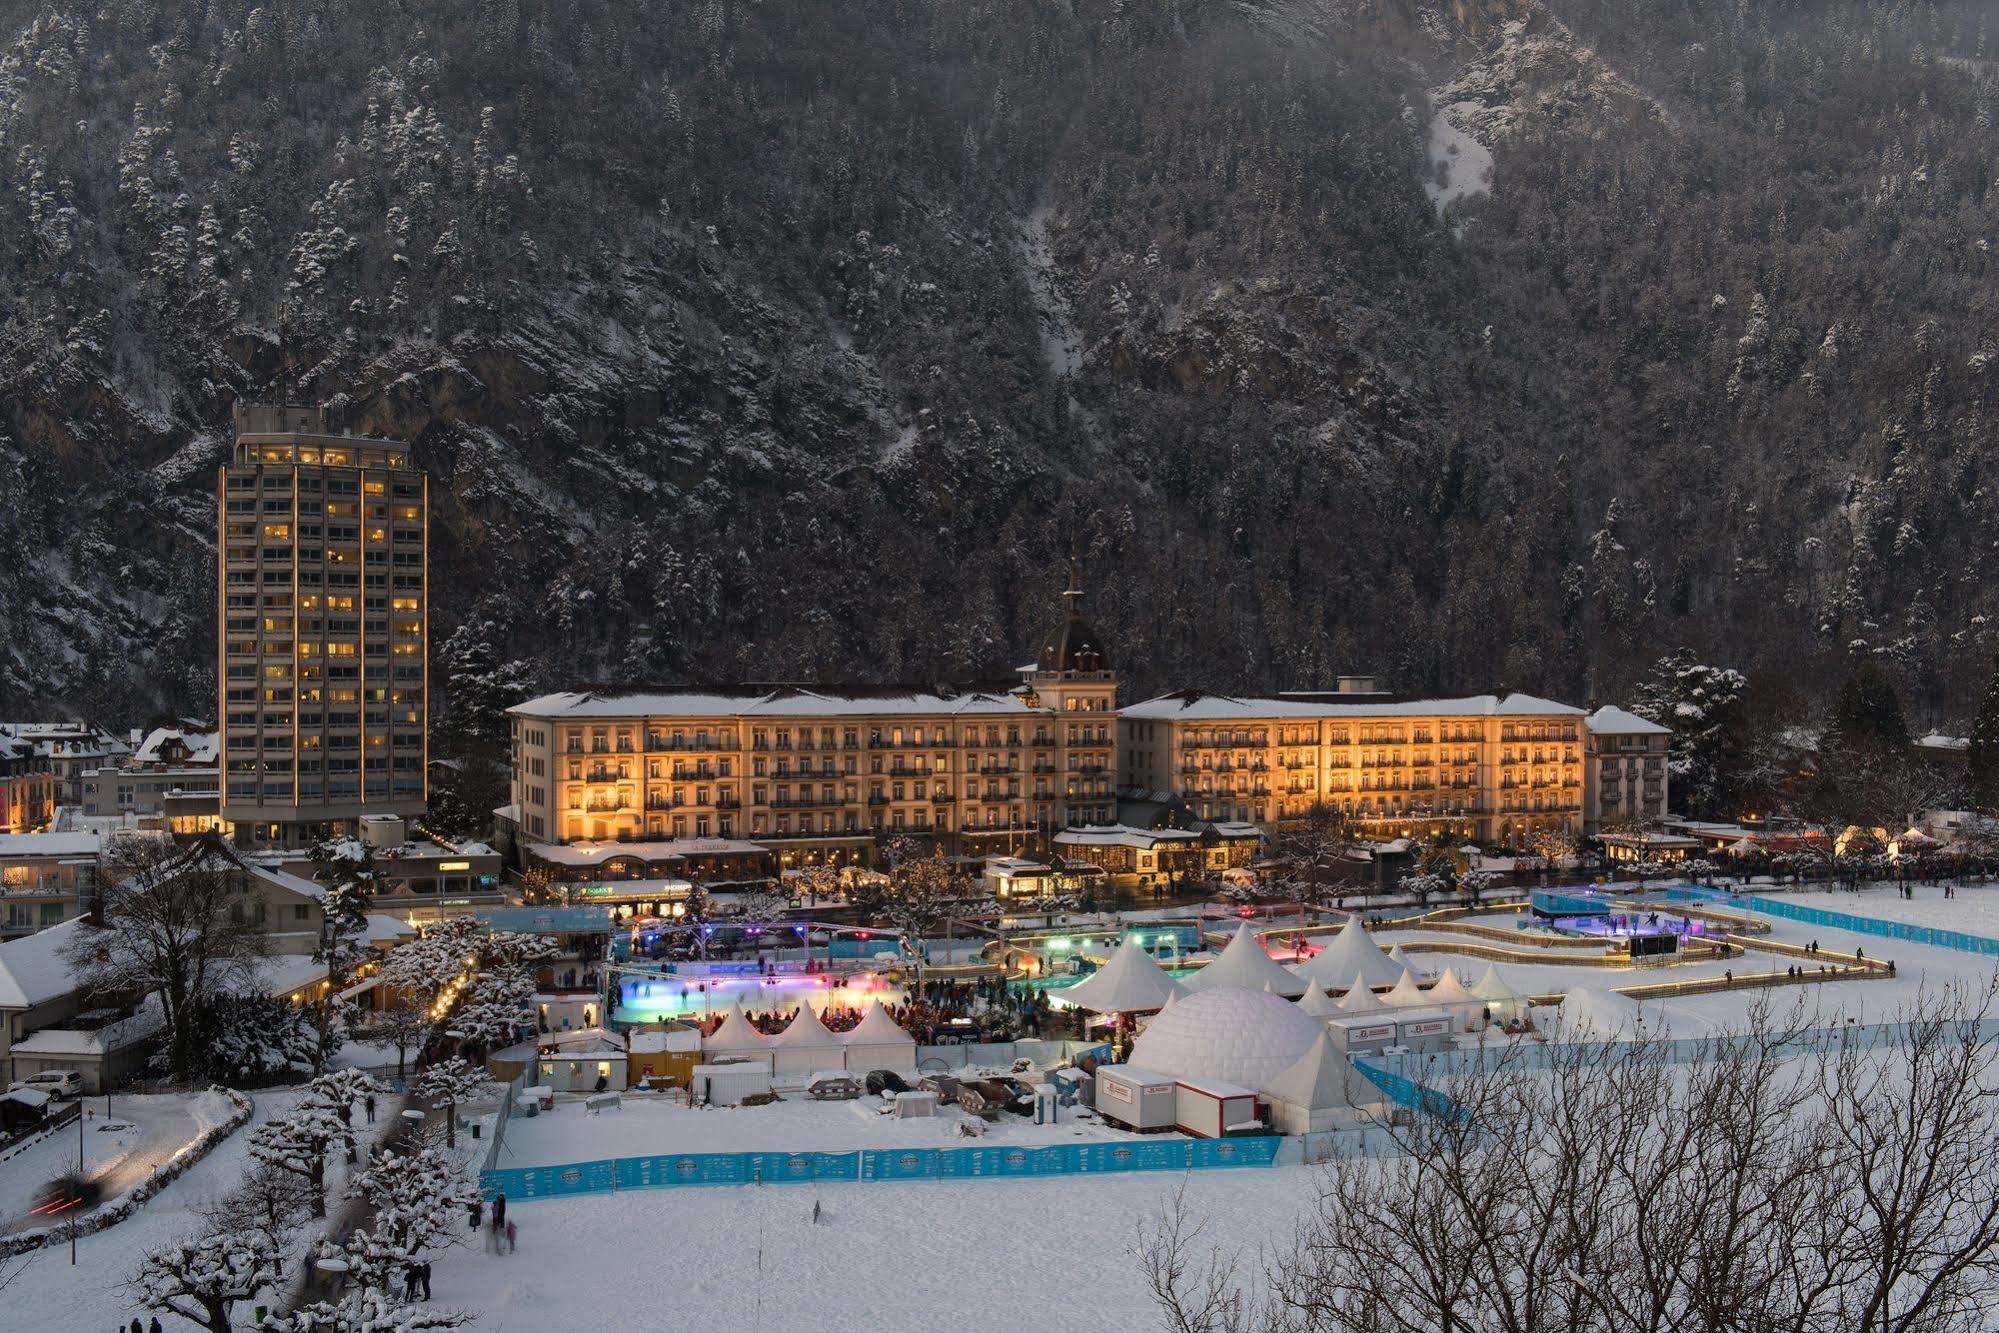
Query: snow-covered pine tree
[[1982, 761], [347, 868]]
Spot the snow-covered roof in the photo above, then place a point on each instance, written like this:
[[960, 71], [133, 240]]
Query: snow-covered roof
[[680, 1041], [1352, 951], [1938, 741], [596, 853], [16, 846], [98, 1041], [383, 928], [1315, 1080], [1194, 706], [280, 974], [32, 970], [202, 746], [823, 701], [1246, 1037], [1613, 721], [33, 1097], [1131, 982], [1243, 963], [1121, 835]]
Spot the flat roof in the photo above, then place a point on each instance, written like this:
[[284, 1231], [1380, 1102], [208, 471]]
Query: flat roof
[[789, 702], [1195, 706]]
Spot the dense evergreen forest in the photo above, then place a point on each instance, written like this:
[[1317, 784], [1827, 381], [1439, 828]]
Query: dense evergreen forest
[[771, 339]]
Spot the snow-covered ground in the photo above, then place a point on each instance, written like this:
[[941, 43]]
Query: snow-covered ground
[[645, 1127], [1460, 165], [895, 1255], [1053, 1254]]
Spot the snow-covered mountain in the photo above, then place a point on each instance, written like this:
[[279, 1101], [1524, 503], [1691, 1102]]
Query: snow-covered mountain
[[783, 339]]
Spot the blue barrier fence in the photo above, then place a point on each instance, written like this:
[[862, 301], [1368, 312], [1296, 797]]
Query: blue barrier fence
[[893, 1164], [1830, 920], [1407, 1092]]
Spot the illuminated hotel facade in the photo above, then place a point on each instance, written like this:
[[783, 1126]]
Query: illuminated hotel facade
[[825, 775], [323, 622], [1495, 768]]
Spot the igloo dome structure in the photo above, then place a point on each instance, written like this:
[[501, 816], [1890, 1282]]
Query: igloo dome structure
[[1237, 1036]]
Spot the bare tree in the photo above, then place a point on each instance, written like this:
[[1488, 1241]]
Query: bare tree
[[448, 1083], [269, 1203], [1314, 845], [1788, 1180], [405, 1025], [178, 922]]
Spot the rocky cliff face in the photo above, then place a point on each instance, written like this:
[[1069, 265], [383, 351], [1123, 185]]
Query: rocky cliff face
[[794, 339]]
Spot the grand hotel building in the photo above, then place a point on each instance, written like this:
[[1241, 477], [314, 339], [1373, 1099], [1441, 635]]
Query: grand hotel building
[[1494, 768], [820, 775], [641, 783]]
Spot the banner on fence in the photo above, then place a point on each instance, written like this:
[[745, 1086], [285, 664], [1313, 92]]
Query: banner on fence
[[674, 1170]]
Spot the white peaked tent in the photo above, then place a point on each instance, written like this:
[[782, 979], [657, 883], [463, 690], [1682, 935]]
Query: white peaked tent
[[1449, 988], [877, 1043], [1405, 994], [1360, 998], [1451, 993], [1132, 982], [1316, 1002], [1401, 959], [1243, 965], [1306, 1097], [1591, 1011], [806, 1046], [1504, 1003], [1352, 950], [736, 1038]]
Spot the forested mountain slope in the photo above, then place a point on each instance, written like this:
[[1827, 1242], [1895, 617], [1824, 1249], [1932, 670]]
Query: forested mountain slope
[[791, 338]]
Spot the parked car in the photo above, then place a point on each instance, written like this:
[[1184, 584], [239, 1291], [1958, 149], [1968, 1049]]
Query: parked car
[[55, 1082]]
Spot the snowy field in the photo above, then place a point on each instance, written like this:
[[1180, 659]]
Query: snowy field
[[886, 1256], [645, 1127], [1056, 1254]]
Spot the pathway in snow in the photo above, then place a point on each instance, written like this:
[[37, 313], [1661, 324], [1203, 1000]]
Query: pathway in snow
[[1460, 166]]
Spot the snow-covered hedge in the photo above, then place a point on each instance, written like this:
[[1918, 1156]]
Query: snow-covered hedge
[[241, 1108]]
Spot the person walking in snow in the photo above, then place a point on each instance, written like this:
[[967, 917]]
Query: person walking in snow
[[476, 1212], [423, 1278], [510, 1237], [368, 1106], [499, 1209]]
